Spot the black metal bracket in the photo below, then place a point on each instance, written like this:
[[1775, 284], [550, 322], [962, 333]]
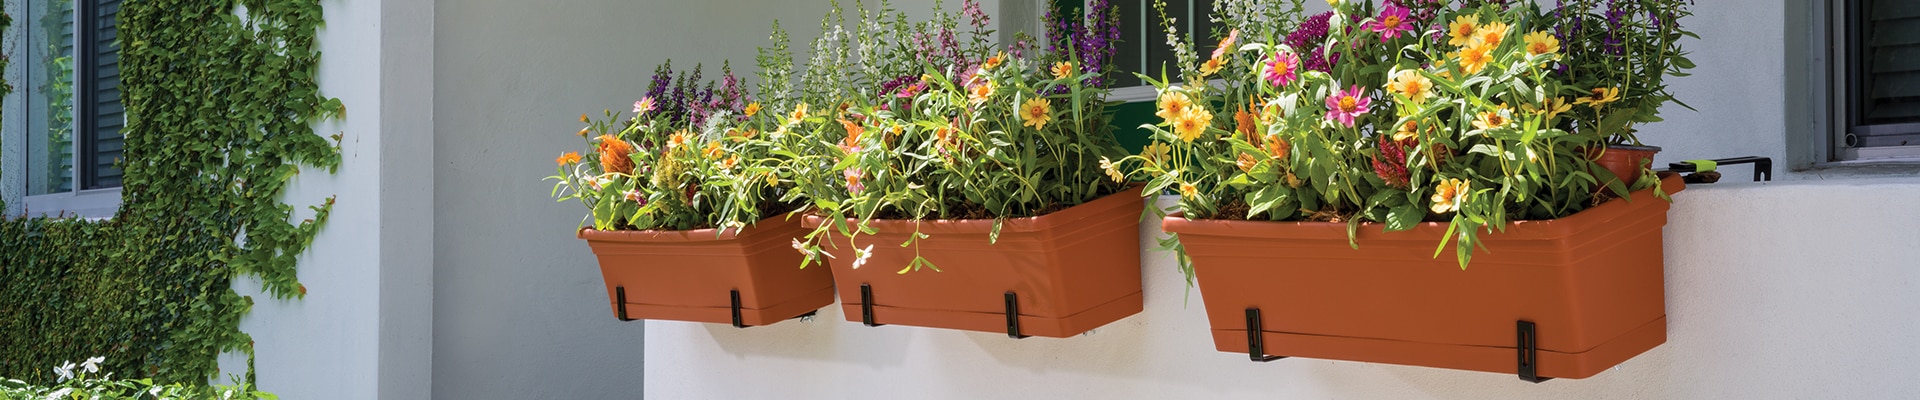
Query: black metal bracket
[[737, 323], [620, 299], [1256, 340], [1529, 353], [1013, 316], [1762, 169], [866, 305]]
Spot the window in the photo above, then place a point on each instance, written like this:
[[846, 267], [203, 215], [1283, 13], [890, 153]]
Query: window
[[73, 112], [1879, 78]]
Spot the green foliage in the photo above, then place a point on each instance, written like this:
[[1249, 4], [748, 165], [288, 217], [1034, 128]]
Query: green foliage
[[220, 113]]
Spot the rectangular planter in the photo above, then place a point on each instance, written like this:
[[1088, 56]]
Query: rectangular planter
[[693, 275], [1068, 272], [1590, 284]]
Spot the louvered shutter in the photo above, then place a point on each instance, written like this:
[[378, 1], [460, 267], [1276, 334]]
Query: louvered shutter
[[102, 114]]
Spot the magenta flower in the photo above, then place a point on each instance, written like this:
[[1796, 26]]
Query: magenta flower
[[1392, 21], [1346, 105], [1283, 68]]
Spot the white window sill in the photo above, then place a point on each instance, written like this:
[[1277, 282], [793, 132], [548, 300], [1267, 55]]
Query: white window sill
[[96, 204]]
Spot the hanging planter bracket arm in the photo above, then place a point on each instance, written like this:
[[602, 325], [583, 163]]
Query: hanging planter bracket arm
[[1256, 339], [737, 322], [1529, 353], [866, 305], [620, 299], [1013, 316], [1704, 171]]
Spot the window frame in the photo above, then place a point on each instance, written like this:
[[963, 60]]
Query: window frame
[[79, 201]]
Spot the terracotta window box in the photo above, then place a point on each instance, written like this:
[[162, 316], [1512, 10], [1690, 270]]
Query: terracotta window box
[[748, 277], [1590, 285], [1058, 275]]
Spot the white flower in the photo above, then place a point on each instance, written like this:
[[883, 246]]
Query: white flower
[[861, 256], [65, 371], [59, 394], [92, 365], [155, 392]]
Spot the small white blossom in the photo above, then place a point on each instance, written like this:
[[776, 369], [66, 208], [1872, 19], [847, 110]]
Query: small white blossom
[[65, 371], [861, 256], [92, 365], [59, 394]]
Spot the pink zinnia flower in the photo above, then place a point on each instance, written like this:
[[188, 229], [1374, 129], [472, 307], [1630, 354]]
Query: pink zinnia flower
[[1346, 105], [854, 175], [1392, 21], [1283, 68], [643, 106], [909, 91]]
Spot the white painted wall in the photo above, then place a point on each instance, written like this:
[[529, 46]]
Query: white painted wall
[[363, 331], [1800, 288]]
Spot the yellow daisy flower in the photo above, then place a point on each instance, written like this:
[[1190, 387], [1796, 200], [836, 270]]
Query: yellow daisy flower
[[1539, 42], [1192, 124], [1035, 113], [1412, 84], [1460, 32], [1173, 105], [1446, 197]]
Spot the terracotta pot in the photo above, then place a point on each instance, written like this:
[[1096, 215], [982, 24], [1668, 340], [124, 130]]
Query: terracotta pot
[[1625, 161], [691, 275], [1591, 284], [1070, 271]]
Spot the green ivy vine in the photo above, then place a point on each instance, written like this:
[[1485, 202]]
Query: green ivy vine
[[221, 103]]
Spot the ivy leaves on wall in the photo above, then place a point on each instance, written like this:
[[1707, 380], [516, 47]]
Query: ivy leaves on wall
[[221, 99]]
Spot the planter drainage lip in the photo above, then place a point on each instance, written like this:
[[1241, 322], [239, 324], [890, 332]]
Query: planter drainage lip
[[1115, 202], [1030, 325], [798, 306], [1498, 359], [1563, 227], [669, 236]]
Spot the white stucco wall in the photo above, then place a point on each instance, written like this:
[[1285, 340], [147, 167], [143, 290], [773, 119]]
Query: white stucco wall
[[363, 331], [1799, 288]]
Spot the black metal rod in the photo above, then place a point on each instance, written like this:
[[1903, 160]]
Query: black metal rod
[[866, 305], [1256, 338], [620, 298], [1529, 353], [1013, 316], [737, 322]]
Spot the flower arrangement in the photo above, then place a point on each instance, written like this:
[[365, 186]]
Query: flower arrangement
[[1400, 114], [685, 159], [956, 129]]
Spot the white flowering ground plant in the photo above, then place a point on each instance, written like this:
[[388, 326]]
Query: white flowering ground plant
[[1371, 114], [687, 158], [1016, 133], [79, 382]]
